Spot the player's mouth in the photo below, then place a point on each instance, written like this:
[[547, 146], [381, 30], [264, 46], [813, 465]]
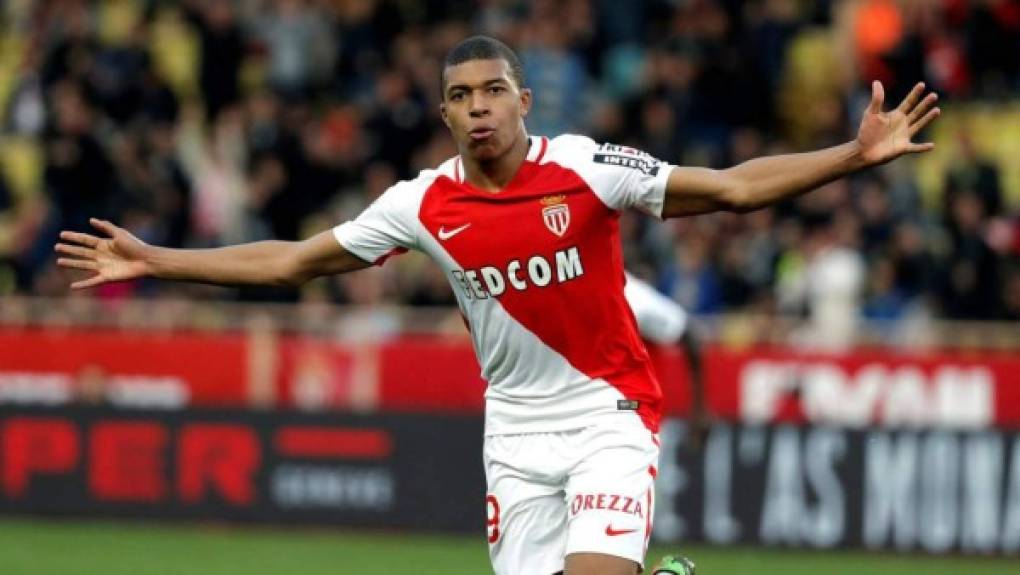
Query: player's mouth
[[481, 134]]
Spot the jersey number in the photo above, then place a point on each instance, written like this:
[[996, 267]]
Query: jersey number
[[492, 523]]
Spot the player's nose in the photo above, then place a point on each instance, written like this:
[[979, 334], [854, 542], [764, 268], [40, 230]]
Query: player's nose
[[479, 106]]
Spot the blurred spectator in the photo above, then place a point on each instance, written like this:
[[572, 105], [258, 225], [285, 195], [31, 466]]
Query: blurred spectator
[[398, 122], [6, 202], [167, 184], [556, 75], [693, 281], [213, 160], [222, 52], [913, 263], [92, 386], [971, 279], [79, 176], [993, 33], [835, 284], [298, 38], [876, 214], [972, 173], [1011, 296], [884, 301]]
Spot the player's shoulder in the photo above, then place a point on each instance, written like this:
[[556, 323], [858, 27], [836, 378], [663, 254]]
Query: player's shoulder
[[579, 148], [428, 176], [571, 146], [411, 191], [450, 168]]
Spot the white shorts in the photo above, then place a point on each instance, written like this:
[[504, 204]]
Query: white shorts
[[583, 490]]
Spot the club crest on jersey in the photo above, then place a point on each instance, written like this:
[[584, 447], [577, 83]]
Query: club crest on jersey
[[556, 214]]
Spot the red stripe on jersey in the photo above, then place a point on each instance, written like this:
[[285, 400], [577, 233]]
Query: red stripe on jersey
[[648, 518], [585, 319], [649, 511], [541, 151]]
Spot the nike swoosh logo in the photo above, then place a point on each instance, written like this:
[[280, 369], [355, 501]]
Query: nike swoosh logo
[[447, 234], [614, 532]]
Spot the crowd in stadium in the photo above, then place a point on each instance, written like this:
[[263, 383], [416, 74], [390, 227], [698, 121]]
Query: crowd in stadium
[[213, 122]]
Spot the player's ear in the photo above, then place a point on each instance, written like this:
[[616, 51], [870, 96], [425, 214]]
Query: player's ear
[[445, 116], [525, 102]]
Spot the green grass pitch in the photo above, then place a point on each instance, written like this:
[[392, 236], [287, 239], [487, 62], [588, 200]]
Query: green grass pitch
[[65, 547]]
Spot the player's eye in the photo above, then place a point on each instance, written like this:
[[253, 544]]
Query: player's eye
[[457, 96], [496, 90]]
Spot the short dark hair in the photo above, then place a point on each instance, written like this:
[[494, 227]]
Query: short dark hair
[[483, 48]]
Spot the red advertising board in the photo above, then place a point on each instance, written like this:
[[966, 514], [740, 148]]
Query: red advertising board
[[788, 486], [424, 374], [867, 386], [244, 465], [51, 364]]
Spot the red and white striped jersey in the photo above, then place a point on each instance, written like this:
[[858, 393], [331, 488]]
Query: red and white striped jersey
[[537, 270]]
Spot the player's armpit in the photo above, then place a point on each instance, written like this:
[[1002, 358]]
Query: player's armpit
[[692, 191]]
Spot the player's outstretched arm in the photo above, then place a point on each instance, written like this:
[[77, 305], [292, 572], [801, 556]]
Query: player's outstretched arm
[[882, 137], [117, 255]]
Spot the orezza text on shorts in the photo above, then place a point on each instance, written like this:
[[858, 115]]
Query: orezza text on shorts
[[608, 502]]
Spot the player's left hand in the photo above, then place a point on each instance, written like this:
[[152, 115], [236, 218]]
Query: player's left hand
[[885, 136]]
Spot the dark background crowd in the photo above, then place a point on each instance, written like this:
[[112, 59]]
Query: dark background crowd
[[212, 122]]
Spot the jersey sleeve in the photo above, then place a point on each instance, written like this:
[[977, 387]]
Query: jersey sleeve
[[385, 228], [622, 177], [660, 319]]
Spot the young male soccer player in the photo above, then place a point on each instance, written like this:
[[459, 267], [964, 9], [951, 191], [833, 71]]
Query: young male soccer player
[[526, 229], [662, 321]]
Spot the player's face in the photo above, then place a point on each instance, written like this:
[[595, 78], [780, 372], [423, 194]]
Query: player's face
[[484, 108]]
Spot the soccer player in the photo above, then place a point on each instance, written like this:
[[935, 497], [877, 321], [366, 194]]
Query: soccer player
[[526, 228], [662, 321]]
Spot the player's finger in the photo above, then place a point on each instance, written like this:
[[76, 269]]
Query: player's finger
[[927, 119], [80, 238], [920, 148], [103, 226], [77, 264], [877, 97], [922, 109], [79, 251], [912, 98], [87, 283]]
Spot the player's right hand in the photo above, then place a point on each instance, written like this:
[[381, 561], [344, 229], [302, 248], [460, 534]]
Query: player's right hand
[[118, 257]]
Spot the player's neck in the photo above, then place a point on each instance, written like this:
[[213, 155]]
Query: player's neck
[[494, 175]]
